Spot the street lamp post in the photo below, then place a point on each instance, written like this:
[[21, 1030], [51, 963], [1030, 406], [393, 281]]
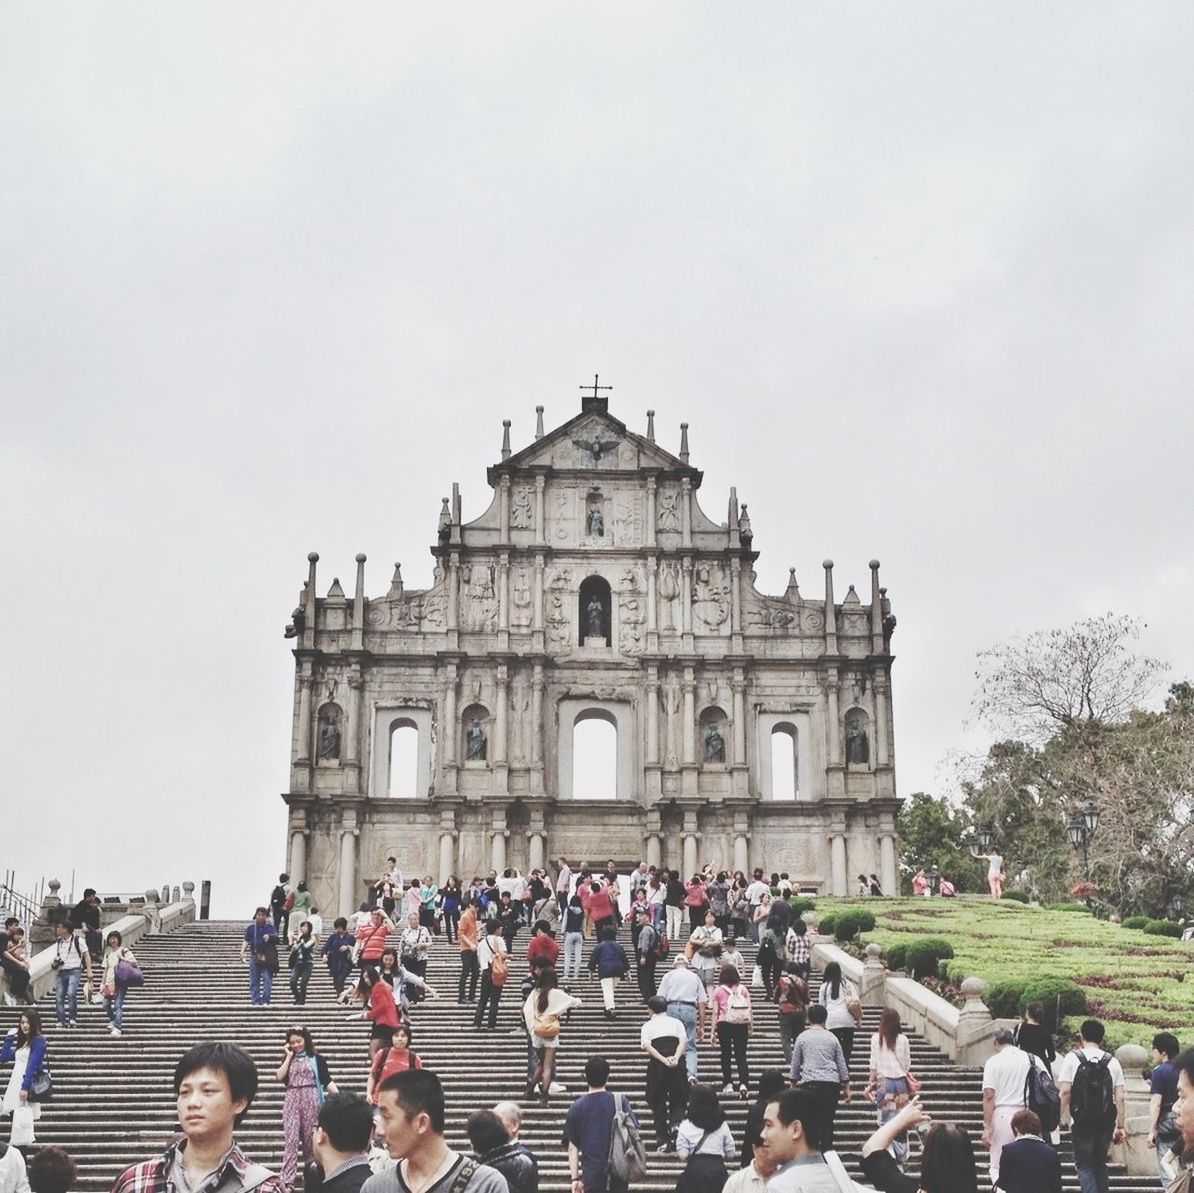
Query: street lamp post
[[1082, 826]]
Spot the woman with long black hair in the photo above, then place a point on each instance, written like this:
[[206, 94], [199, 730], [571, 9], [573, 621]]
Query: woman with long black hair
[[541, 1013], [704, 1142], [840, 999]]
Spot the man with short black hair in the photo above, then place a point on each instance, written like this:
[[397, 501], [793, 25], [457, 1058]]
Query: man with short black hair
[[1183, 1151], [51, 1170], [214, 1086], [411, 1122], [819, 1068], [1091, 1083], [85, 918], [788, 1141], [1162, 1088], [1028, 1164], [70, 962], [341, 1142], [1005, 1076], [260, 947], [588, 1128]]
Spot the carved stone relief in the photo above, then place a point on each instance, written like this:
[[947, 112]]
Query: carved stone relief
[[628, 522], [671, 707], [669, 594], [630, 613], [669, 509], [521, 600], [559, 621], [520, 702], [711, 596], [479, 604], [522, 508], [563, 514]]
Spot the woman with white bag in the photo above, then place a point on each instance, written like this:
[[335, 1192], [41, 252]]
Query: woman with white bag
[[25, 1047]]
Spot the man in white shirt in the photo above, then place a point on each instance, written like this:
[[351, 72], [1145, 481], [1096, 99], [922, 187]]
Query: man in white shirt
[[563, 884], [1097, 1112], [1004, 1078], [754, 896], [640, 877], [69, 962], [754, 1177], [664, 1039], [785, 1142], [686, 999]]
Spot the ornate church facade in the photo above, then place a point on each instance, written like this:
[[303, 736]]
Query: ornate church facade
[[438, 725]]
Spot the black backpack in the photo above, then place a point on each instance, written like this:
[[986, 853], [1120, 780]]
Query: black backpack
[[1092, 1095], [1041, 1095]]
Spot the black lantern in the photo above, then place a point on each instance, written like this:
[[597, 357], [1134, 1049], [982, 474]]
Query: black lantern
[[1090, 817], [1077, 830], [985, 836]]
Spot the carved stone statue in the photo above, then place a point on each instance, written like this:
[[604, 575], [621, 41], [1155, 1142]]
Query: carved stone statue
[[669, 513], [521, 515], [594, 618], [858, 749], [596, 521], [476, 743], [329, 738], [715, 745]]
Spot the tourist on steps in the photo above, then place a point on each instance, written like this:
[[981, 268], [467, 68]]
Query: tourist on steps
[[13, 1176], [302, 962], [15, 962], [491, 947], [371, 938], [791, 1142], [411, 1117], [307, 1079], [664, 1039], [543, 944], [839, 997], [1033, 1037], [24, 1047], [397, 1058], [733, 1018], [70, 962], [588, 1129], [647, 945], [772, 1083], [51, 1170], [415, 945], [1181, 1157], [451, 896], [704, 1141], [341, 1143], [574, 937], [466, 938], [1004, 1078], [280, 903], [493, 1147], [946, 1161], [791, 1001], [338, 951], [214, 1086], [686, 1001], [610, 963], [1091, 1083], [260, 947], [382, 1006], [819, 1069], [541, 1012], [754, 1177], [890, 1075], [113, 991], [704, 950], [1029, 1164]]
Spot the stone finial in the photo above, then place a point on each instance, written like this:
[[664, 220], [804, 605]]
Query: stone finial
[[744, 524], [873, 952], [151, 897], [793, 592], [188, 891], [396, 583], [651, 425], [335, 593], [165, 895], [830, 610], [444, 528], [684, 442], [1132, 1058], [732, 509], [972, 991], [313, 557], [175, 894], [538, 422], [505, 438]]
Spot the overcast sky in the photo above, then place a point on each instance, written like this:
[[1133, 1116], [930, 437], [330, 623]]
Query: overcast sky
[[271, 276]]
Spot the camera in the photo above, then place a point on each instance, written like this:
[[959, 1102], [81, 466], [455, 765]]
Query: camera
[[56, 963]]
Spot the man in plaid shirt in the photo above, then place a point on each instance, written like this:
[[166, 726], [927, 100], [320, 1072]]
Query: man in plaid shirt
[[214, 1085]]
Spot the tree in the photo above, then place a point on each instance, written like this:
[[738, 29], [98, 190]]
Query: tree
[[933, 833]]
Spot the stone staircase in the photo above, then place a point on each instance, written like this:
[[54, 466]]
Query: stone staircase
[[114, 1103]]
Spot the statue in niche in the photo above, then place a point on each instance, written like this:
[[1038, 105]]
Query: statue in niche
[[329, 737], [476, 743], [595, 525], [594, 618], [521, 510], [669, 512], [858, 748], [715, 745]]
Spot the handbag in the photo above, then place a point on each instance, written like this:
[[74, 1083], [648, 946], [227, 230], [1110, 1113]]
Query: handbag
[[915, 1085], [129, 974], [41, 1088], [22, 1126]]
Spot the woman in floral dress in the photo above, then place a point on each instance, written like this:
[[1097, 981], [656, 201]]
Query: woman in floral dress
[[308, 1081]]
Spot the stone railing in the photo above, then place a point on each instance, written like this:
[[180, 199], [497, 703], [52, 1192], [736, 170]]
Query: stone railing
[[149, 918]]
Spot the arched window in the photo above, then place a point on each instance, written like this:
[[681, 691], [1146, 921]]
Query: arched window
[[595, 611], [594, 756], [783, 762], [404, 760]]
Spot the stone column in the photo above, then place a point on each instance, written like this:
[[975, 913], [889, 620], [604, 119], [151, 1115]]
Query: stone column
[[686, 600], [651, 515], [504, 509], [504, 592], [742, 853], [876, 610], [446, 854], [887, 866], [738, 685], [536, 728], [837, 864], [690, 855], [882, 743], [833, 728], [306, 682], [688, 737], [449, 729], [830, 610], [686, 517], [348, 871], [537, 605], [453, 611], [498, 856], [652, 601], [652, 727], [540, 510], [736, 605], [974, 1026], [297, 869], [654, 850], [499, 716], [536, 855], [874, 978]]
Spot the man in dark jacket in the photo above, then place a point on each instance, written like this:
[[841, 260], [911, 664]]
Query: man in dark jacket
[[1028, 1164], [85, 916], [610, 963], [341, 1143], [489, 1134]]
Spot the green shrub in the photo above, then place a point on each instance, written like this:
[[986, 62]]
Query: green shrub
[[801, 903], [923, 956], [825, 924], [895, 956], [1163, 928], [1080, 907], [1006, 999], [848, 924], [1136, 922], [1059, 996], [1018, 896]]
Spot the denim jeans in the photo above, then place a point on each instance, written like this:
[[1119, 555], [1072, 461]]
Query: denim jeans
[[115, 1008], [300, 978], [66, 995], [888, 1097], [574, 944], [261, 982], [687, 1014], [1090, 1159]]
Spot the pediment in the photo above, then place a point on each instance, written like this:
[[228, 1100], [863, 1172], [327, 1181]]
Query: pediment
[[594, 441]]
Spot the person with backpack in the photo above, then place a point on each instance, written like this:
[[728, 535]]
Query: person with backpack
[[610, 963], [733, 1018], [281, 900], [599, 1128], [1005, 1078], [493, 962], [574, 937], [648, 948], [1091, 1083], [839, 997], [1029, 1164], [770, 956], [704, 1142], [69, 962], [791, 1001], [396, 1058]]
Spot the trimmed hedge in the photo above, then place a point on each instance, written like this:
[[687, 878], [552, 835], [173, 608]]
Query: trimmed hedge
[[896, 956], [923, 957], [1163, 928], [1136, 922], [801, 903], [1018, 896], [825, 924], [848, 924], [1006, 999], [1059, 996], [1079, 907]]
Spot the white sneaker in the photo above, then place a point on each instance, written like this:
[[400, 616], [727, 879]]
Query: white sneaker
[[727, 1089], [115, 1031], [557, 1088]]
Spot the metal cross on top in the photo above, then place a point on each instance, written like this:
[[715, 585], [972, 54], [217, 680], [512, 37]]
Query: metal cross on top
[[595, 387]]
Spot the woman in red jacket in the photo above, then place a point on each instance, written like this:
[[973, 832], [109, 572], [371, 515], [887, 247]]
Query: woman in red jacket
[[599, 906], [381, 1010]]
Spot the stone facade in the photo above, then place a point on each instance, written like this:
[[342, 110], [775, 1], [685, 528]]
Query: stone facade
[[594, 586]]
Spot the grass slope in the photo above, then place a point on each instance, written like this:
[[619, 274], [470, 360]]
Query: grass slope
[[1137, 984]]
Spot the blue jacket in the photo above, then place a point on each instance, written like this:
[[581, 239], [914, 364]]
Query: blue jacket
[[37, 1055], [609, 960]]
